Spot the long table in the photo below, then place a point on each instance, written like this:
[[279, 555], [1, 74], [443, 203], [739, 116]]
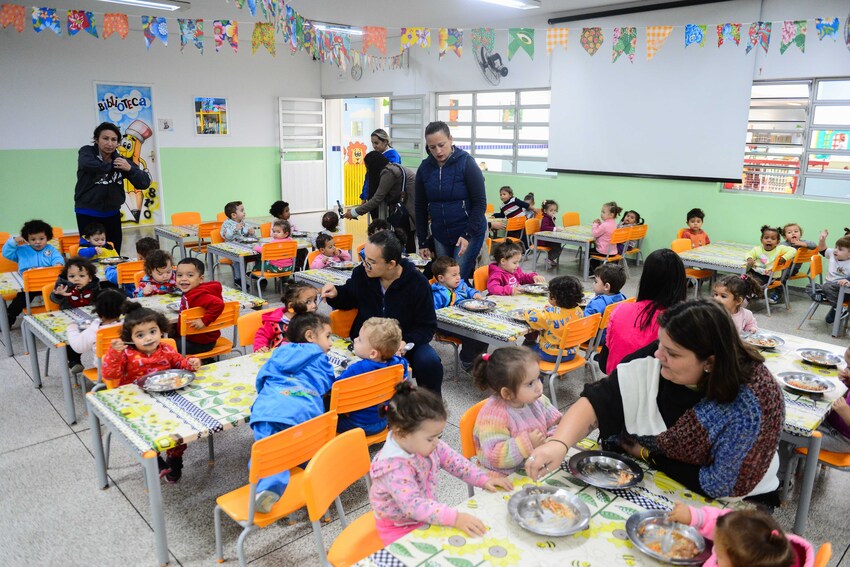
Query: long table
[[722, 256], [11, 284], [580, 236], [179, 233], [241, 253]]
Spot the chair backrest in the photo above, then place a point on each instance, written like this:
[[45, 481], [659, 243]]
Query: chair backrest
[[73, 249], [606, 315], [247, 325], [227, 318], [532, 226], [489, 208], [341, 321], [36, 278], [365, 390], [516, 223], [7, 265], [58, 232], [344, 241], [221, 217], [479, 278], [780, 264], [539, 215], [467, 424], [266, 229], [580, 331], [66, 241], [823, 555], [188, 217], [324, 479], [205, 229], [621, 235], [126, 271], [137, 278], [105, 336], [359, 248], [489, 242], [804, 255], [816, 267], [49, 304], [312, 256], [4, 236], [638, 232], [570, 219], [289, 448], [278, 251], [681, 245], [216, 237]]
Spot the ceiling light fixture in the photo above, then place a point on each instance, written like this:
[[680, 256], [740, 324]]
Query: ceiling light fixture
[[518, 4], [337, 28], [170, 5]]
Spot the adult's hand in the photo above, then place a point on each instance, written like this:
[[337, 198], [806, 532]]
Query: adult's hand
[[545, 459], [425, 253], [498, 225], [121, 163], [328, 291], [462, 245], [348, 215]]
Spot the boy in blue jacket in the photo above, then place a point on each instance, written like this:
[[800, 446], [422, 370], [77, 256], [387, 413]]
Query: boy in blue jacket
[[93, 244], [30, 250], [290, 386], [609, 279]]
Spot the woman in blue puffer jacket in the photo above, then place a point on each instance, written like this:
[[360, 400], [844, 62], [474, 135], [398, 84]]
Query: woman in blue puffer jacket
[[450, 192]]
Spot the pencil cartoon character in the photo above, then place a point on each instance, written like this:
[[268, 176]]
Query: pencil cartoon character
[[131, 148]]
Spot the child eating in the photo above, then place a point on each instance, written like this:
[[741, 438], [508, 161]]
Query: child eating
[[730, 292], [330, 253], [281, 232], [107, 307], [608, 280], [159, 278], [77, 286], [298, 298], [448, 289], [565, 293], [93, 244], [198, 293], [505, 274], [694, 232], [234, 226]]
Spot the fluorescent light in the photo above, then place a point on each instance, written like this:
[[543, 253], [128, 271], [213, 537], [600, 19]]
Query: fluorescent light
[[170, 5], [519, 4], [337, 28]]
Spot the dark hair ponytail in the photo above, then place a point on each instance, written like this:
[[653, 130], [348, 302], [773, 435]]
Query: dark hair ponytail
[[410, 407]]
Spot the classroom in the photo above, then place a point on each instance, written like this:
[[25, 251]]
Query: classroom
[[607, 140]]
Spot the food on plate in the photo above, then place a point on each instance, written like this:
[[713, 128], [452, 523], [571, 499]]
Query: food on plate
[[762, 341], [681, 547], [558, 508], [810, 386], [625, 477]]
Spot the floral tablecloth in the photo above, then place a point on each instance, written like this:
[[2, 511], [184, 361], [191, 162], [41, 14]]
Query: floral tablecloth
[[241, 249], [177, 230], [11, 284], [578, 233], [720, 254], [324, 276]]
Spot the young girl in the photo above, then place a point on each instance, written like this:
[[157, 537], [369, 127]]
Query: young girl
[[505, 273], [565, 294], [330, 222], [793, 234], [298, 298], [602, 229], [77, 286], [107, 306], [330, 253], [547, 224], [511, 207], [760, 259], [630, 218], [745, 538], [730, 292], [140, 352], [405, 471], [532, 211], [281, 232], [517, 417], [159, 278]]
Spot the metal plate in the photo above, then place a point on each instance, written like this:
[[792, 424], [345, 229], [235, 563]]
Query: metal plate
[[113, 260], [518, 314], [646, 530], [805, 382], [165, 380], [476, 305], [548, 510], [299, 234], [346, 265], [762, 340], [174, 306], [819, 357], [247, 239], [534, 289], [605, 469]]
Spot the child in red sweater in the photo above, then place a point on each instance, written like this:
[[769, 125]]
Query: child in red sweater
[[198, 293]]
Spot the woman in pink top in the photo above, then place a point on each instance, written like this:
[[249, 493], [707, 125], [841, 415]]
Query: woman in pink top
[[634, 325], [604, 227]]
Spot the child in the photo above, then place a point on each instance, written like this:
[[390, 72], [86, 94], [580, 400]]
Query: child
[[745, 538], [730, 292], [93, 244], [107, 307], [512, 207], [547, 224], [838, 271], [565, 293], [694, 232], [448, 289], [30, 250], [376, 225], [298, 298], [330, 223], [198, 293], [159, 278], [760, 259], [505, 273], [144, 246], [330, 253], [281, 232], [280, 211], [836, 430], [77, 286], [793, 234], [377, 345], [405, 471], [140, 352], [602, 229], [531, 212], [290, 386], [235, 226], [608, 280], [517, 417], [630, 218]]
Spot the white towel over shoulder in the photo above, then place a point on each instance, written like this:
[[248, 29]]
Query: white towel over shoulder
[[638, 382]]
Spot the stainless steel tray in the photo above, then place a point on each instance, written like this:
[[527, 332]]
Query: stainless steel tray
[[805, 382], [819, 356], [762, 340], [604, 469], [165, 380], [646, 530], [476, 305], [548, 510]]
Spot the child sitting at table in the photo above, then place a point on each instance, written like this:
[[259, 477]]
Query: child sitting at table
[[602, 229], [745, 538], [406, 470], [630, 219], [280, 211], [290, 386], [377, 345], [512, 207], [837, 274], [731, 291], [448, 289], [376, 225], [836, 430], [517, 417], [235, 226], [608, 280], [281, 232], [532, 210], [140, 352], [93, 244], [505, 274], [329, 252], [108, 308], [198, 293], [330, 223], [694, 232], [144, 246], [761, 258], [159, 278], [77, 286], [298, 298], [565, 294], [547, 224]]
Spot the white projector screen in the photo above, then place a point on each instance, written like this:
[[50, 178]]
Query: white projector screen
[[681, 115]]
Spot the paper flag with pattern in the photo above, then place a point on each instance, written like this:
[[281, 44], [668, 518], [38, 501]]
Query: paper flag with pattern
[[625, 43], [557, 36], [252, 5], [847, 32], [308, 38], [520, 38], [296, 40], [655, 38], [13, 15], [45, 19], [793, 33], [115, 23], [340, 46], [591, 39], [271, 12], [79, 20], [827, 28], [728, 32], [483, 37], [226, 31], [415, 36], [191, 31], [377, 36], [263, 34], [451, 39], [760, 35], [155, 27], [695, 33]]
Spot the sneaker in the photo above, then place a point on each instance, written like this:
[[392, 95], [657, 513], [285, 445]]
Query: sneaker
[[75, 368], [549, 264], [237, 283], [466, 366], [830, 317], [844, 313], [265, 501], [162, 465], [774, 298]]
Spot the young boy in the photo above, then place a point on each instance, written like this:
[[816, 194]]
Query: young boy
[[838, 272], [159, 278], [198, 293], [234, 226], [144, 246], [330, 253], [565, 293], [93, 244], [609, 279], [30, 250], [448, 289], [377, 345], [694, 231], [290, 386]]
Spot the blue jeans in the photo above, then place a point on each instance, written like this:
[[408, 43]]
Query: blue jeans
[[568, 355], [427, 367], [467, 261]]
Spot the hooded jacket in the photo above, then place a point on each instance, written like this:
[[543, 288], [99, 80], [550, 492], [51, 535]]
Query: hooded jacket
[[100, 186], [208, 296], [272, 329], [89, 251], [444, 297], [79, 297], [502, 282]]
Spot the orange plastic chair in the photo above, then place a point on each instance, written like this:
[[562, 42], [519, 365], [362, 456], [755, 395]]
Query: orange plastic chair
[[126, 271], [683, 245], [681, 234], [274, 454], [344, 242], [7, 265], [593, 348], [105, 336], [514, 224], [365, 391], [215, 238], [619, 236], [570, 219], [35, 279], [575, 333], [227, 319], [247, 326], [266, 230], [779, 265], [489, 208], [270, 252], [341, 321], [324, 481], [58, 232], [489, 243], [221, 217], [186, 218], [532, 226], [467, 440], [359, 249], [205, 230], [73, 249], [637, 235], [479, 278], [310, 257], [49, 304], [4, 236], [137, 278], [66, 241], [803, 256], [823, 555]]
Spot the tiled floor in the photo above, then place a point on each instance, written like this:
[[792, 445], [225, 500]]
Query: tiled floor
[[54, 515]]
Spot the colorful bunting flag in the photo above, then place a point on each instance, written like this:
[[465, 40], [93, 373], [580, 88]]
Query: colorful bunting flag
[[793, 33], [847, 32], [625, 42], [263, 34], [12, 14], [729, 32], [451, 39], [308, 38], [155, 27], [115, 23], [79, 20], [45, 19], [591, 40], [557, 36], [695, 33], [191, 31], [760, 35], [292, 29], [415, 36], [377, 36], [520, 38], [655, 38], [483, 37], [226, 31], [252, 6], [827, 28]]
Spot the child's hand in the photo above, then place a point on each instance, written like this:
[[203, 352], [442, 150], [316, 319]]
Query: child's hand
[[597, 221], [118, 345], [750, 262], [240, 225], [539, 279], [148, 289], [262, 349], [537, 438], [515, 291], [496, 482], [477, 296], [98, 250], [840, 407], [681, 513], [196, 324], [844, 283], [824, 234], [20, 241], [194, 363], [844, 376], [401, 351], [250, 232], [470, 524], [63, 290]]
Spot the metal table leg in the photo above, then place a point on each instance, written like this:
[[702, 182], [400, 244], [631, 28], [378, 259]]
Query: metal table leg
[[586, 271], [97, 448], [5, 328], [243, 276], [801, 519], [62, 357], [839, 306], [157, 515], [32, 348]]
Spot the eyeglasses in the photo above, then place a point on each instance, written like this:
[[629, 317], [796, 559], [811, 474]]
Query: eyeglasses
[[367, 264]]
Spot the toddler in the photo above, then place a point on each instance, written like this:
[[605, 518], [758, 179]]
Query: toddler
[[235, 226], [280, 211], [159, 278], [761, 258], [77, 286], [836, 430], [198, 293], [838, 270], [730, 292], [376, 225], [377, 345], [107, 307], [602, 229], [30, 250], [330, 222], [745, 538], [330, 253], [290, 386], [532, 211], [512, 207], [93, 244], [406, 470], [608, 280], [505, 274], [547, 224], [630, 218], [140, 352], [298, 298], [448, 289], [281, 232], [517, 417], [144, 246], [793, 234], [565, 293], [694, 232]]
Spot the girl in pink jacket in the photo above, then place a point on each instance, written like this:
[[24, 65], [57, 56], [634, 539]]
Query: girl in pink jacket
[[505, 274], [298, 298], [405, 471], [603, 228]]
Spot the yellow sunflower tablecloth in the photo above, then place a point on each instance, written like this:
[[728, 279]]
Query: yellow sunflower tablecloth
[[324, 276], [577, 233], [726, 254], [11, 284]]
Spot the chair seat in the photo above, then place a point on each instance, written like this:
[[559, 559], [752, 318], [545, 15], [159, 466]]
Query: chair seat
[[377, 437], [235, 502], [543, 248], [698, 274], [613, 258], [837, 460], [446, 339], [271, 275], [222, 346], [568, 366], [797, 276], [632, 251], [774, 284], [356, 542], [91, 374]]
